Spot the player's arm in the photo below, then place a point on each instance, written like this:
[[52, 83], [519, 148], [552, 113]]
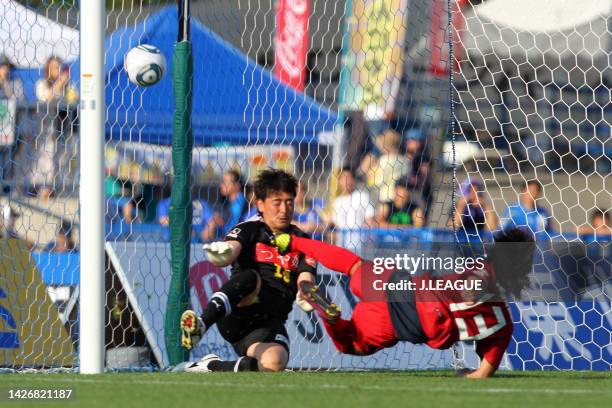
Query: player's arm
[[491, 351], [223, 253]]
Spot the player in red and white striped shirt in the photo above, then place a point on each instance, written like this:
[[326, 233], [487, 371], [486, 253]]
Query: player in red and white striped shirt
[[436, 318]]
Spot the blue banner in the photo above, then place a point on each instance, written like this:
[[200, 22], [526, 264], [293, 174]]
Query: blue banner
[[547, 335]]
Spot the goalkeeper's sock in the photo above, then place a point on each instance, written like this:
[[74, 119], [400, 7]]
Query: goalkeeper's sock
[[242, 364], [240, 285], [332, 257]]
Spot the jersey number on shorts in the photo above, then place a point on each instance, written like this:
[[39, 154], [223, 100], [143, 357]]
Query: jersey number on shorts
[[483, 330], [282, 273]]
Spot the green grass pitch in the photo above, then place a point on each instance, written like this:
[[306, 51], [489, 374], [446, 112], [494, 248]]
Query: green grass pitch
[[320, 389]]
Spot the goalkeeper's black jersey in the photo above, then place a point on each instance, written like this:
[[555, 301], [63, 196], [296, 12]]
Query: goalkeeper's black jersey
[[278, 272]]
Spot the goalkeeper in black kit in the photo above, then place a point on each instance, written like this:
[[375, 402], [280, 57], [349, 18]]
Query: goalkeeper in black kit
[[251, 308]]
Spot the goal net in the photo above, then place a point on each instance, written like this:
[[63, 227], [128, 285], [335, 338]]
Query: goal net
[[414, 97], [531, 98]]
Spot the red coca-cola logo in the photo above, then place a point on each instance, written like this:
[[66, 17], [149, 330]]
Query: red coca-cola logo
[[291, 40]]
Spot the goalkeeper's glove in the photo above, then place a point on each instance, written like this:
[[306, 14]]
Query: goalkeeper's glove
[[218, 252], [303, 304]]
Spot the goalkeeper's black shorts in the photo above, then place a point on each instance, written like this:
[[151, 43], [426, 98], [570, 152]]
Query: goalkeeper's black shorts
[[246, 326]]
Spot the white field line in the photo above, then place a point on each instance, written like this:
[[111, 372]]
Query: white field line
[[220, 384]]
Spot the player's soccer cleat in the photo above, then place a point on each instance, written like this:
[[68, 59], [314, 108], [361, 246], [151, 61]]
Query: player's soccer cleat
[[192, 329], [319, 302], [201, 366], [282, 242]]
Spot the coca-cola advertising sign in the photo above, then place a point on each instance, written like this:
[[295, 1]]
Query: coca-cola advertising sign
[[291, 41]]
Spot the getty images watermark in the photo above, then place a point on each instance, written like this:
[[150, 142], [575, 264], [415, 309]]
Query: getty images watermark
[[448, 269], [543, 271]]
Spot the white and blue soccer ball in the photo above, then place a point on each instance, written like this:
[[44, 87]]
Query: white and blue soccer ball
[[145, 65]]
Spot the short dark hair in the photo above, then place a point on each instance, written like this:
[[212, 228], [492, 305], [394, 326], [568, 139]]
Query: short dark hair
[[513, 274], [4, 61], [272, 181], [535, 183], [598, 212], [236, 177], [347, 169], [406, 183], [65, 228]]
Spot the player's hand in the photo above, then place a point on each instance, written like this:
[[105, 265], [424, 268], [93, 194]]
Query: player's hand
[[305, 306], [474, 374], [464, 372], [218, 252]]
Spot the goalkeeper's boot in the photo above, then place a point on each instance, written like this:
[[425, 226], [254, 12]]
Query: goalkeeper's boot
[[192, 329], [282, 242], [201, 366], [320, 303]]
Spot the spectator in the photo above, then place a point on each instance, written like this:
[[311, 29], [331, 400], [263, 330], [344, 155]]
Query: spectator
[[119, 201], [56, 85], [527, 212], [64, 241], [53, 90], [7, 222], [351, 210], [10, 87], [363, 143], [235, 204], [8, 217], [419, 169], [250, 199], [389, 167], [600, 224], [473, 211], [305, 216], [204, 219], [402, 211]]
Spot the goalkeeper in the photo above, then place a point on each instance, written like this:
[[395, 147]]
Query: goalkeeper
[[251, 308]]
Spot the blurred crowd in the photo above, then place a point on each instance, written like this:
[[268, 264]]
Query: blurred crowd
[[389, 188], [385, 182], [41, 154]]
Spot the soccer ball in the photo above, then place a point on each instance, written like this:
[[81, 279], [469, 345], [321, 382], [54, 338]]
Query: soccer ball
[[145, 65]]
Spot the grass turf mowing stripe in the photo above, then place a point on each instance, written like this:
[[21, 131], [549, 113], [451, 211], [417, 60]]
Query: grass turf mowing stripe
[[206, 382]]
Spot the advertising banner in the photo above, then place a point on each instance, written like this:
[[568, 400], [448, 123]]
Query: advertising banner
[[291, 42], [376, 56], [571, 334], [31, 332]]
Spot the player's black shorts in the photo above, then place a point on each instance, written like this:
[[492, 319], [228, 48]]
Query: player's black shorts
[[270, 334], [248, 325]]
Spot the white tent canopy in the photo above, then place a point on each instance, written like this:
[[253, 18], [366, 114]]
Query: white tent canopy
[[28, 38], [557, 30]]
